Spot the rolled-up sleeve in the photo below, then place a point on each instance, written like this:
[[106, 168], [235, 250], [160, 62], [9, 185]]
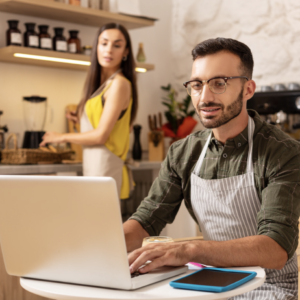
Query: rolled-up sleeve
[[280, 209], [163, 201]]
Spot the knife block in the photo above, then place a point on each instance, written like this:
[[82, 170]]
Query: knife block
[[156, 145]]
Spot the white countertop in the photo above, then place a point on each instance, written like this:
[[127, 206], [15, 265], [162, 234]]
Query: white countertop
[[157, 291]]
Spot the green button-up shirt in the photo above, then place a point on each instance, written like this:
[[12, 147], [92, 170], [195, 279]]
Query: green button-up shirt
[[276, 162]]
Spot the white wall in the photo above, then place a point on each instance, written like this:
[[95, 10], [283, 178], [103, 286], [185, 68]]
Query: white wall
[[270, 28], [63, 87]]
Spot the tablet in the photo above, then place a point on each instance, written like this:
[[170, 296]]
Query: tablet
[[213, 280]]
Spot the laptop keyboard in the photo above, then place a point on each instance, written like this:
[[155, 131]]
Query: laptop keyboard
[[136, 274]]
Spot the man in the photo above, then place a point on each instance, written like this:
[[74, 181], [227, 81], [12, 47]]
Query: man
[[240, 180]]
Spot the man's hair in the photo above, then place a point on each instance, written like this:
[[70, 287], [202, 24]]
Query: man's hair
[[213, 46]]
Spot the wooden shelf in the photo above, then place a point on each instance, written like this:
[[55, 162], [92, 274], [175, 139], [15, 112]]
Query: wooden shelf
[[70, 13], [7, 54]]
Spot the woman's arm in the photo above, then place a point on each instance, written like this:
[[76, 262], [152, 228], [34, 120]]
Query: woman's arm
[[117, 99]]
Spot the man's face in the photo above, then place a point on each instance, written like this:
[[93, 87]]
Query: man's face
[[215, 110]]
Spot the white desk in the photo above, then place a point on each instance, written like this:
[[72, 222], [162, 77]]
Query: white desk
[[157, 291]]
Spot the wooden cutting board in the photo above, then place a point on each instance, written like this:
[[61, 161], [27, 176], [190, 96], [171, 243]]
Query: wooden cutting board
[[71, 127]]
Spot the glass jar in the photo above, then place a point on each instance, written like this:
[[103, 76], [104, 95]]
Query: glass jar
[[45, 38], [156, 239], [13, 34], [74, 42], [59, 41], [31, 38], [87, 50]]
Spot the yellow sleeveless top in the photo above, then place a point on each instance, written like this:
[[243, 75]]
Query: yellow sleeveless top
[[118, 141]]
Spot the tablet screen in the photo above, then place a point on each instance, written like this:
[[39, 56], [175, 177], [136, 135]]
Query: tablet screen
[[213, 278]]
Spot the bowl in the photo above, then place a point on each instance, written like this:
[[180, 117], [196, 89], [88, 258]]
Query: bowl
[[279, 87]]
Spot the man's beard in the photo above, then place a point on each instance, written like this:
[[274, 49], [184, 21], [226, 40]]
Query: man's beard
[[232, 111]]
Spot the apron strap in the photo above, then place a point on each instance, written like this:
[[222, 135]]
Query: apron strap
[[103, 85], [251, 127], [202, 155]]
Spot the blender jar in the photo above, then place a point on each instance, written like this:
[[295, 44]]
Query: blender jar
[[34, 108]]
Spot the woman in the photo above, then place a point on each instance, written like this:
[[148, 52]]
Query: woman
[[107, 109]]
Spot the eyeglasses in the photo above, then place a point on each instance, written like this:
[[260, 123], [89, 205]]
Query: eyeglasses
[[217, 85]]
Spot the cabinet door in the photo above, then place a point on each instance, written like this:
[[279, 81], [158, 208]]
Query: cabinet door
[[10, 287]]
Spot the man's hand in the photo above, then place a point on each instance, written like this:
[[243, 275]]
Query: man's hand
[[168, 254], [256, 250]]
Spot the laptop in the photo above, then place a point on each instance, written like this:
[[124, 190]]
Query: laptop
[[68, 229]]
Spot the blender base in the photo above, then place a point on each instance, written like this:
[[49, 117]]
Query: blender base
[[32, 139]]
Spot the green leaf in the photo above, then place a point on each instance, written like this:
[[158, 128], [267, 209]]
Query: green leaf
[[167, 104], [166, 88]]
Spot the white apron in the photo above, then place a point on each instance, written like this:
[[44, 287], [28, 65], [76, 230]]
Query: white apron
[[98, 160], [227, 209]]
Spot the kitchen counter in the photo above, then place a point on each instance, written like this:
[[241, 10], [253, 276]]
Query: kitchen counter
[[59, 169]]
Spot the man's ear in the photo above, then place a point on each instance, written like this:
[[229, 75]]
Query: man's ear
[[249, 89]]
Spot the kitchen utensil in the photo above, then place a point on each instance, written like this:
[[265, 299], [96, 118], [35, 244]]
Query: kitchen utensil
[[18, 156], [150, 122], [73, 128], [297, 102], [35, 108], [160, 120], [279, 87], [137, 149], [293, 86], [3, 129], [266, 88], [155, 122]]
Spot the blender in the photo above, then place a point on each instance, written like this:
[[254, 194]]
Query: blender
[[34, 108]]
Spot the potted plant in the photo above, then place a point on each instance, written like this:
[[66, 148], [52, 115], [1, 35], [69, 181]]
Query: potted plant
[[180, 120]]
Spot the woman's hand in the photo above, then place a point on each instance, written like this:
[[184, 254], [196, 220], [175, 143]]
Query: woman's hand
[[72, 116], [52, 137]]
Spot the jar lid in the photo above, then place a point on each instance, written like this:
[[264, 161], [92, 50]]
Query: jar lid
[[43, 27], [58, 30], [13, 22], [30, 26], [87, 47], [35, 99]]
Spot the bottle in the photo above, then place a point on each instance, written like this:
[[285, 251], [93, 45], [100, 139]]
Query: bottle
[[137, 149], [45, 38], [84, 3], [74, 42], [59, 41], [141, 55], [31, 38], [13, 34], [87, 50], [74, 2]]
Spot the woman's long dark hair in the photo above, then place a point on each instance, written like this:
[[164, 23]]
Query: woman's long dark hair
[[93, 78]]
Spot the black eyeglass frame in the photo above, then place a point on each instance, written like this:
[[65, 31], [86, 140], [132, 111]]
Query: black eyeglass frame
[[185, 84]]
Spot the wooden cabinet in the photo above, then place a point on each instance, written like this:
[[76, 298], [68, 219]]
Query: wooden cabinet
[[10, 288], [67, 13], [70, 13]]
